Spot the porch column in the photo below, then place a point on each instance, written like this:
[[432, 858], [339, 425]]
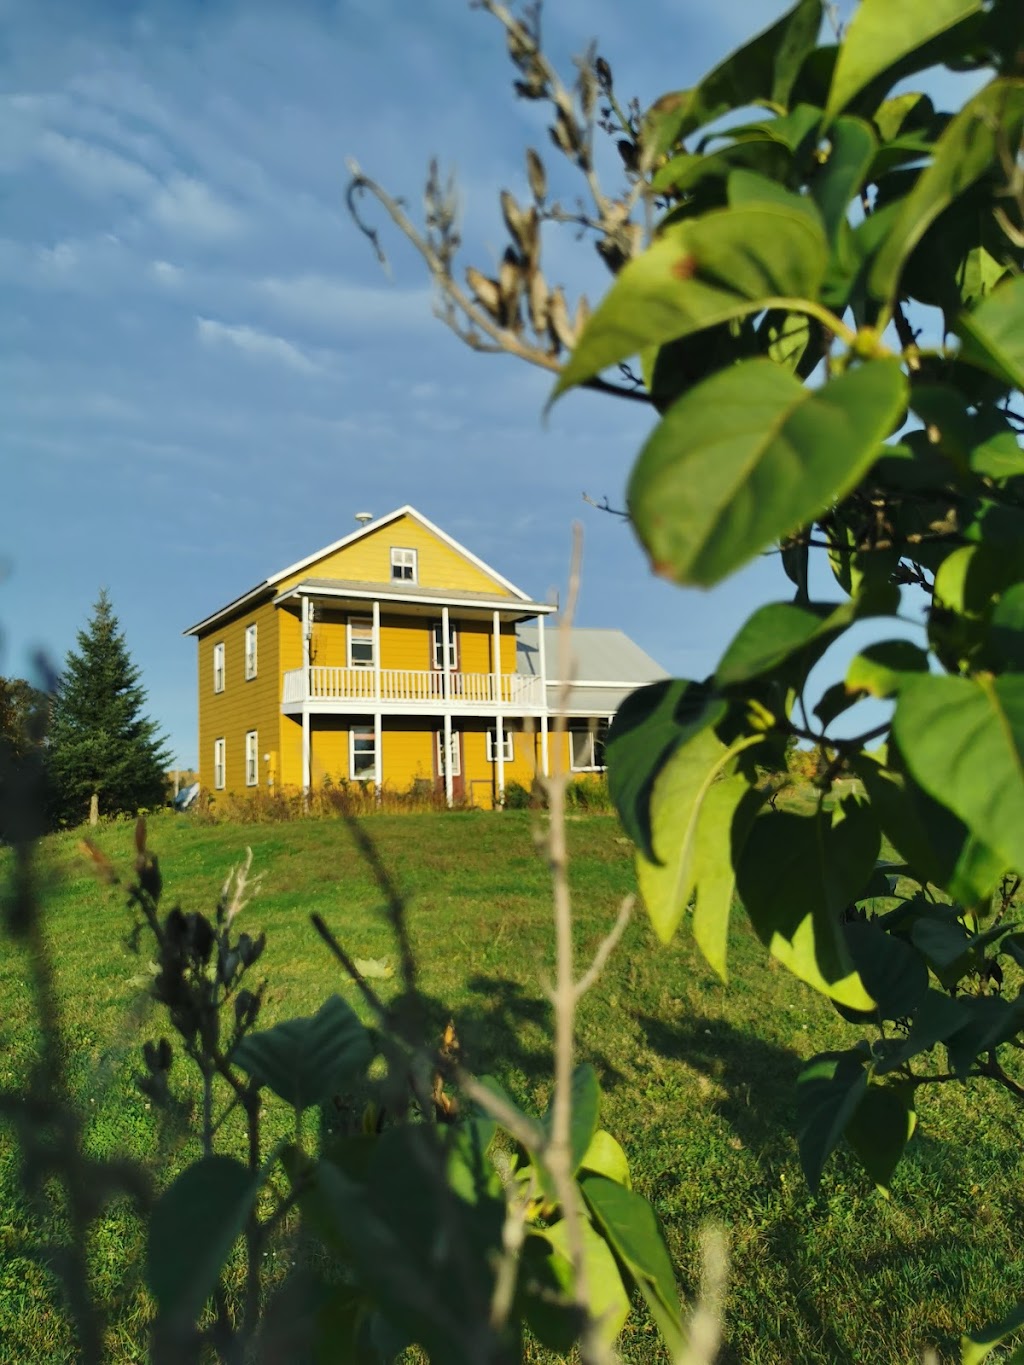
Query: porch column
[[378, 751], [376, 652], [499, 724], [306, 778], [446, 684], [545, 761]]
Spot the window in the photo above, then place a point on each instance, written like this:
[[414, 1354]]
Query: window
[[360, 642], [456, 753], [362, 761], [218, 764], [403, 565], [586, 744], [252, 766], [218, 667], [437, 645], [250, 652], [507, 745]]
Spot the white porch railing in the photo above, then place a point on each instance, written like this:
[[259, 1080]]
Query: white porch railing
[[413, 686]]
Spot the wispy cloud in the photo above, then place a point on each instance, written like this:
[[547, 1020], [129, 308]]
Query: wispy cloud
[[190, 208], [328, 302], [258, 345]]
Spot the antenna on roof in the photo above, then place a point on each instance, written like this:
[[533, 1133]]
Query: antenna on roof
[[364, 517]]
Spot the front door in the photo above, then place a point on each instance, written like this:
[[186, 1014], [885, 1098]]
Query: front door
[[458, 780]]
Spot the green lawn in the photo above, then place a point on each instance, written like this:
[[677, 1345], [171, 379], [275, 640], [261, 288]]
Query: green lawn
[[698, 1078]]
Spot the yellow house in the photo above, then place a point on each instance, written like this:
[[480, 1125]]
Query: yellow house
[[395, 656]]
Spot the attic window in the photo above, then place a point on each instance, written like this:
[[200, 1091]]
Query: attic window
[[403, 565]]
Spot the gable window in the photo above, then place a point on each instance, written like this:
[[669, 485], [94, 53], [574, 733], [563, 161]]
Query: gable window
[[252, 767], [456, 755], [507, 746], [218, 667], [437, 645], [362, 755], [403, 565], [586, 745], [360, 642], [250, 652], [218, 764]]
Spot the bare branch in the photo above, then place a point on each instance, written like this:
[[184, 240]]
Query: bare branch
[[606, 947]]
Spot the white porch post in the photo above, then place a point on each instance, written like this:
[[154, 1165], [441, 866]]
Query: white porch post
[[446, 682], [306, 777], [545, 760], [376, 651], [499, 724], [378, 751]]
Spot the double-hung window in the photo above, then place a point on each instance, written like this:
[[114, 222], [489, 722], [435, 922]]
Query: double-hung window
[[437, 646], [250, 652], [218, 667], [507, 746], [455, 753], [362, 753], [403, 565], [360, 642], [218, 764], [586, 745], [252, 765]]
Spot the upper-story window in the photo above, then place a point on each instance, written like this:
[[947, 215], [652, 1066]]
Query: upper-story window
[[403, 565], [250, 652], [218, 667], [437, 643], [360, 642]]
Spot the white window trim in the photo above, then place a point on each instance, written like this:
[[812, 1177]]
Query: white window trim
[[219, 668], [252, 758], [250, 654], [353, 775], [437, 646], [508, 745], [366, 621], [220, 765], [399, 561], [576, 728], [456, 753]]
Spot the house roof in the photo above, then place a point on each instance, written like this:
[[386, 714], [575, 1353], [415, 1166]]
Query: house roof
[[261, 589], [413, 593], [607, 667]]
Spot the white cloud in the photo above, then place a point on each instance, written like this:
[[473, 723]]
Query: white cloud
[[93, 169], [259, 345], [327, 301], [191, 208], [167, 273]]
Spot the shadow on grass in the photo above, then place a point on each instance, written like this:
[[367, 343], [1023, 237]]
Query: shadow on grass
[[759, 1080]]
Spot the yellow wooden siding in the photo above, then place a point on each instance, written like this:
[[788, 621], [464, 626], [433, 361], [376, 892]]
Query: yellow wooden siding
[[405, 642], [243, 705], [369, 561]]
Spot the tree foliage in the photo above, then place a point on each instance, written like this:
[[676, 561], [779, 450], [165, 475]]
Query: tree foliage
[[100, 740]]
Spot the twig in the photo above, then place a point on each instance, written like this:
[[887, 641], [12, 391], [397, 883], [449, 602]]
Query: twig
[[606, 947]]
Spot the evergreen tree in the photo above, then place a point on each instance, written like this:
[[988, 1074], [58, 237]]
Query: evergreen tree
[[100, 741]]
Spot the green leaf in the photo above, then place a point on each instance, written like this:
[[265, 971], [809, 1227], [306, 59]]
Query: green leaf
[[840, 179], [631, 1228], [608, 1298], [698, 273], [748, 456], [880, 669], [762, 71], [649, 726], [585, 1099], [726, 817], [795, 876], [963, 742], [993, 334], [976, 1346], [880, 34], [968, 149], [828, 1091], [880, 1128], [680, 793], [307, 1060], [193, 1226], [937, 1019], [894, 975], [605, 1157]]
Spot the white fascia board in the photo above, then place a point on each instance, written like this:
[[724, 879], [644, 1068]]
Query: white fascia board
[[419, 599], [236, 605]]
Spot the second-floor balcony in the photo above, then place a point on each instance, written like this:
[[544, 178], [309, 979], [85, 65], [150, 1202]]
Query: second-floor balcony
[[397, 689]]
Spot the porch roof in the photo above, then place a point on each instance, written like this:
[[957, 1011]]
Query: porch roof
[[415, 594]]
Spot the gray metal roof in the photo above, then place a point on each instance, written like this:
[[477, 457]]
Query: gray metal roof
[[607, 663]]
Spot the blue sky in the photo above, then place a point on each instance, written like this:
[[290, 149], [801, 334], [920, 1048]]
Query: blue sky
[[205, 373]]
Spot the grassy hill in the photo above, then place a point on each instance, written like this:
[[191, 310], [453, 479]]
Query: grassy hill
[[698, 1078]]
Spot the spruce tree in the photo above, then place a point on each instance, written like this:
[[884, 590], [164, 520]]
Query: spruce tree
[[100, 740]]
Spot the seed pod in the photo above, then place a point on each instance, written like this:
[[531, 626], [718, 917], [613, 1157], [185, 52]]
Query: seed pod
[[604, 74], [536, 174], [537, 299], [485, 291], [522, 225], [582, 314], [510, 282], [559, 325], [565, 135]]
